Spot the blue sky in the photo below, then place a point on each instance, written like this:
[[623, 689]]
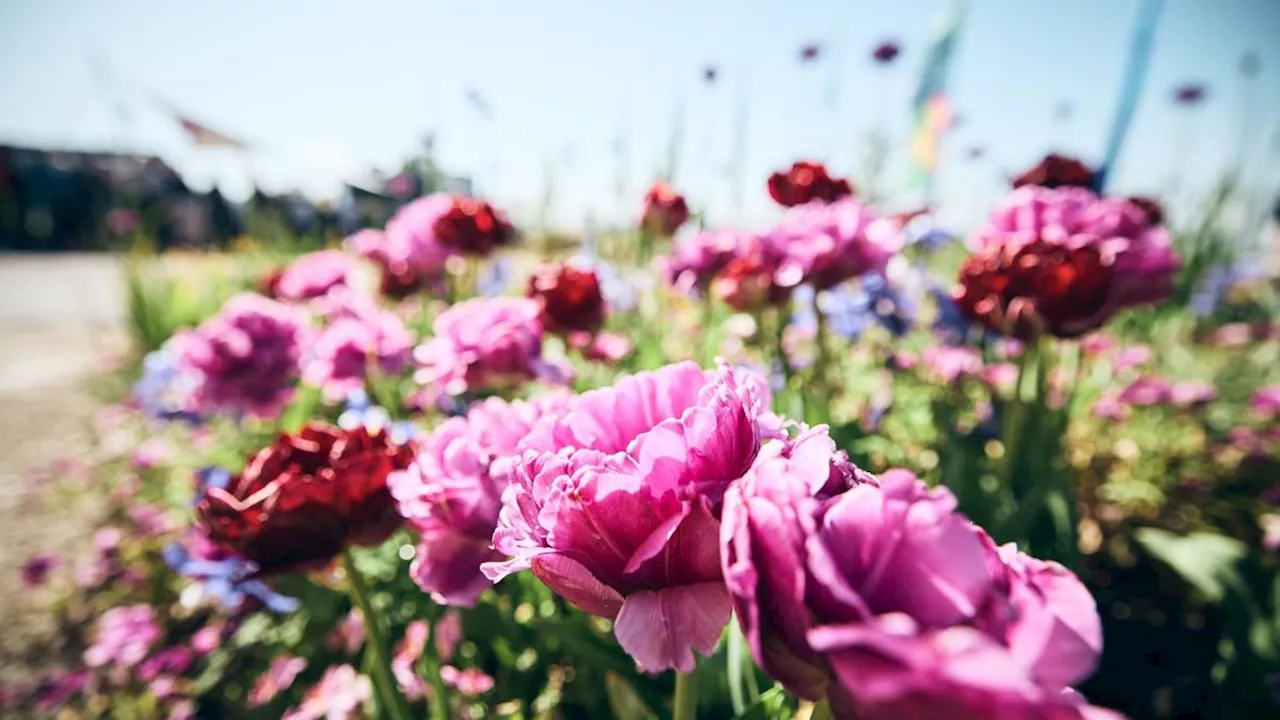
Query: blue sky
[[327, 89]]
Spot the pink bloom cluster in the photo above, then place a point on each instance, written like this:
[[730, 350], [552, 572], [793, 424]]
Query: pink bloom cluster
[[697, 257], [313, 275], [125, 636], [341, 693], [615, 504], [884, 599], [409, 243], [246, 357], [824, 244], [452, 492], [359, 335], [1150, 390], [485, 344]]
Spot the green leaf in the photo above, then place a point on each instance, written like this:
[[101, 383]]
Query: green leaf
[[624, 701], [770, 707], [1205, 560], [304, 405]]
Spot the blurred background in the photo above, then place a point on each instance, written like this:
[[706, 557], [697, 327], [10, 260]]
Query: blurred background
[[564, 111]]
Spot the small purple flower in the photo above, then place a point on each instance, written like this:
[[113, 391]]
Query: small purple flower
[[246, 357], [1266, 401], [1146, 391], [348, 634], [886, 52], [36, 570], [56, 690], [280, 674], [1189, 94], [125, 636], [169, 661]]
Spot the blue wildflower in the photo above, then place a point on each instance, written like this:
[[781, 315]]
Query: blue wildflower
[[163, 389], [925, 233], [361, 412], [494, 278], [222, 576]]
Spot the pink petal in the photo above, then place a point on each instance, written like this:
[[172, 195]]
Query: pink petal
[[575, 583], [662, 628]]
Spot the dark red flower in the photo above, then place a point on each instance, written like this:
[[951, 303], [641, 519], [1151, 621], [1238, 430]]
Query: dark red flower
[[747, 282], [886, 52], [473, 227], [807, 181], [570, 298], [302, 500], [400, 280], [1151, 207], [269, 284], [664, 210], [1056, 171], [1189, 94], [1035, 288]]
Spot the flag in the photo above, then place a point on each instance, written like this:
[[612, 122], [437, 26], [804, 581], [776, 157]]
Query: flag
[[203, 136], [1130, 87], [933, 111]]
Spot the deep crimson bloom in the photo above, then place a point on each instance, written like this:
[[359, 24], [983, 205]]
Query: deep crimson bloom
[[1189, 94], [473, 227], [303, 499], [886, 52], [269, 283], [569, 298], [665, 210], [749, 281], [1062, 262], [1056, 171], [807, 181], [696, 258]]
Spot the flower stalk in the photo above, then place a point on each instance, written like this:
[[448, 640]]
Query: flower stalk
[[686, 698], [388, 692]]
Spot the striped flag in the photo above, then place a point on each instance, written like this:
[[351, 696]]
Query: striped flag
[[933, 111]]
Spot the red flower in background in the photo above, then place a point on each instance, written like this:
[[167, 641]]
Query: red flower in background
[[401, 280], [665, 210], [569, 297], [303, 499], [473, 227], [807, 181], [886, 52], [1056, 171], [1038, 283]]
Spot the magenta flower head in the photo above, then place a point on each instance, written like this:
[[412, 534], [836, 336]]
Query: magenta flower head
[[36, 570], [485, 344], [313, 275], [1062, 261], [360, 337], [894, 667], [1266, 401], [697, 257], [766, 521], [125, 636], [246, 357], [616, 505], [824, 244], [411, 236], [452, 493]]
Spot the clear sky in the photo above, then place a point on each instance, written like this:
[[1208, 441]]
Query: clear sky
[[329, 89]]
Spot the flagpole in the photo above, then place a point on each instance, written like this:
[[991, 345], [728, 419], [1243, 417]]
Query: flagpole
[[1131, 87]]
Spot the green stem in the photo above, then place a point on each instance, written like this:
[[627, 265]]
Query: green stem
[[788, 372], [686, 700], [439, 698], [822, 710], [822, 362], [392, 701]]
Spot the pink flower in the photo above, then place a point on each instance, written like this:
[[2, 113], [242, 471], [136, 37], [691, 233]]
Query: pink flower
[[1146, 391], [245, 357], [125, 636], [1098, 343], [410, 238], [1001, 376], [452, 492], [35, 571], [602, 347], [352, 343], [313, 275], [485, 344], [1131, 356], [168, 662], [341, 694], [1266, 401], [1109, 407], [471, 682], [763, 538], [150, 453], [207, 639], [616, 505], [824, 244], [697, 257], [1186, 393], [280, 674], [893, 668], [407, 652], [949, 364], [448, 634], [348, 634], [1062, 261]]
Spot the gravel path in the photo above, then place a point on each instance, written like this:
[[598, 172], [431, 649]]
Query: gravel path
[[61, 321]]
